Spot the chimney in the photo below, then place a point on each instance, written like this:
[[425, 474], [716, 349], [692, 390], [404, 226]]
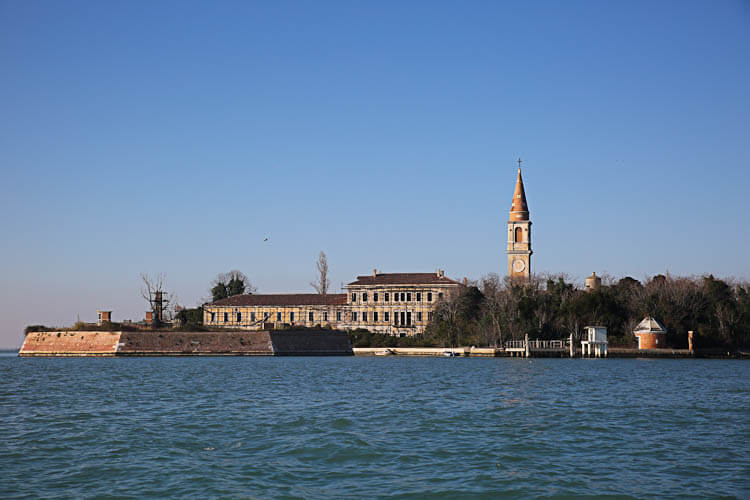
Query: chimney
[[374, 273], [103, 317], [466, 282]]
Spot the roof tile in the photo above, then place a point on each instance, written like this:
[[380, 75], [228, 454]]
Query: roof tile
[[285, 299], [404, 279]]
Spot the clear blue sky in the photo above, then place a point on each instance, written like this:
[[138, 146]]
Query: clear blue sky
[[174, 136]]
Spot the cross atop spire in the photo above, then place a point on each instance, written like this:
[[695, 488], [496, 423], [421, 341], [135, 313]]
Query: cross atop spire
[[519, 162]]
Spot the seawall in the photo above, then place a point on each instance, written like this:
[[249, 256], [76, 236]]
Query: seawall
[[428, 351], [613, 352], [62, 343], [170, 343]]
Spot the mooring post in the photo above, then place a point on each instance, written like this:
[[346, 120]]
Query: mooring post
[[572, 346], [526, 344]]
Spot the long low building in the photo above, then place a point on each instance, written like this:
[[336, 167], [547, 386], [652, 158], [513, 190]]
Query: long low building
[[393, 303]]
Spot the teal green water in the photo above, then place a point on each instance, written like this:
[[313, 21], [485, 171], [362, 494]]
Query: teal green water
[[373, 427]]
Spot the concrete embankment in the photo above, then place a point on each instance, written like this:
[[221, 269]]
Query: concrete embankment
[[614, 352], [171, 343], [427, 351]]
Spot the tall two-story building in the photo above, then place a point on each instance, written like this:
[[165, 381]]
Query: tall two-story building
[[392, 303], [396, 303]]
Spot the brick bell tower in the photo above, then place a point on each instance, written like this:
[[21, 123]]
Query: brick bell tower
[[519, 234]]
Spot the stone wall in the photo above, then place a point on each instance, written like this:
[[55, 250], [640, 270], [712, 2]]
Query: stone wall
[[170, 343], [311, 343], [149, 343], [59, 343]]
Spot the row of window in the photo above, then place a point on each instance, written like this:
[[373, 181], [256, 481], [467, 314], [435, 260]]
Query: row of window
[[397, 296], [405, 317], [267, 316]]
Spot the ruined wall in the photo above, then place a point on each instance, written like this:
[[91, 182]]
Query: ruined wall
[[70, 344], [194, 343]]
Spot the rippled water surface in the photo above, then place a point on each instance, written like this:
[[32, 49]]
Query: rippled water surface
[[373, 427]]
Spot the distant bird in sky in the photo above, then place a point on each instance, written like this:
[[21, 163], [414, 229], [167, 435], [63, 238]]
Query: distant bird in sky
[[265, 239]]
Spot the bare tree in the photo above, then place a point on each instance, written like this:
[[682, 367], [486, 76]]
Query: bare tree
[[228, 284], [728, 318], [158, 299], [493, 308], [447, 310], [570, 319], [322, 282]]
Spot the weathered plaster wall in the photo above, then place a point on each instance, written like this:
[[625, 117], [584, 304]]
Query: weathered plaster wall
[[70, 344]]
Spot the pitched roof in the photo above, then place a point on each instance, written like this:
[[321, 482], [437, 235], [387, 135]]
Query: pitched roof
[[650, 325], [519, 210], [283, 299], [404, 279]]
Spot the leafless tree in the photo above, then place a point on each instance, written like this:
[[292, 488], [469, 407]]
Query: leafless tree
[[493, 308], [322, 282], [727, 318], [607, 278], [570, 320], [158, 299], [447, 310]]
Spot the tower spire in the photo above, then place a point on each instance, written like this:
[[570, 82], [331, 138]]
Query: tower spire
[[519, 210], [519, 234]]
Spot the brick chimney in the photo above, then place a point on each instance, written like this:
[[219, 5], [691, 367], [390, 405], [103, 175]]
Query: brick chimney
[[103, 317], [374, 273]]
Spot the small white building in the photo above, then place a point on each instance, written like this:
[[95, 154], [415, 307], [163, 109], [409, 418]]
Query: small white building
[[596, 338]]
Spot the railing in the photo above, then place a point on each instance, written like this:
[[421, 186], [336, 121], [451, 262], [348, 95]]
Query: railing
[[537, 344]]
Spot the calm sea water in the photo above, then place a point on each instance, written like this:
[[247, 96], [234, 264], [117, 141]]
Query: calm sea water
[[373, 427]]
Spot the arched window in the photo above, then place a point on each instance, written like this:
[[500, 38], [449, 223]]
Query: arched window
[[519, 235]]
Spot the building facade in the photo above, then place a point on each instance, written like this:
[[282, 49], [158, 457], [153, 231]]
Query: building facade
[[519, 234], [391, 303], [398, 303]]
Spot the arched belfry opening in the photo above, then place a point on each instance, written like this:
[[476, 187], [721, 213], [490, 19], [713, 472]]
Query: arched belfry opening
[[519, 235]]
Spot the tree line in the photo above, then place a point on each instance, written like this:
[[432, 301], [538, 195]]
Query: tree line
[[494, 310]]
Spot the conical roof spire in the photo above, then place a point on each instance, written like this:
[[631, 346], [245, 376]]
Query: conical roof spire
[[519, 210]]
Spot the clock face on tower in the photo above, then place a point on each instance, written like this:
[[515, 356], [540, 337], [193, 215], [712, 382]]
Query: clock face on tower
[[519, 265]]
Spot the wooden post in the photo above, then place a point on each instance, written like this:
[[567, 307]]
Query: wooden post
[[572, 346], [690, 341], [526, 344]]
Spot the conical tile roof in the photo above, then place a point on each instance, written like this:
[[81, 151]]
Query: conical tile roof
[[650, 325], [519, 210]]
